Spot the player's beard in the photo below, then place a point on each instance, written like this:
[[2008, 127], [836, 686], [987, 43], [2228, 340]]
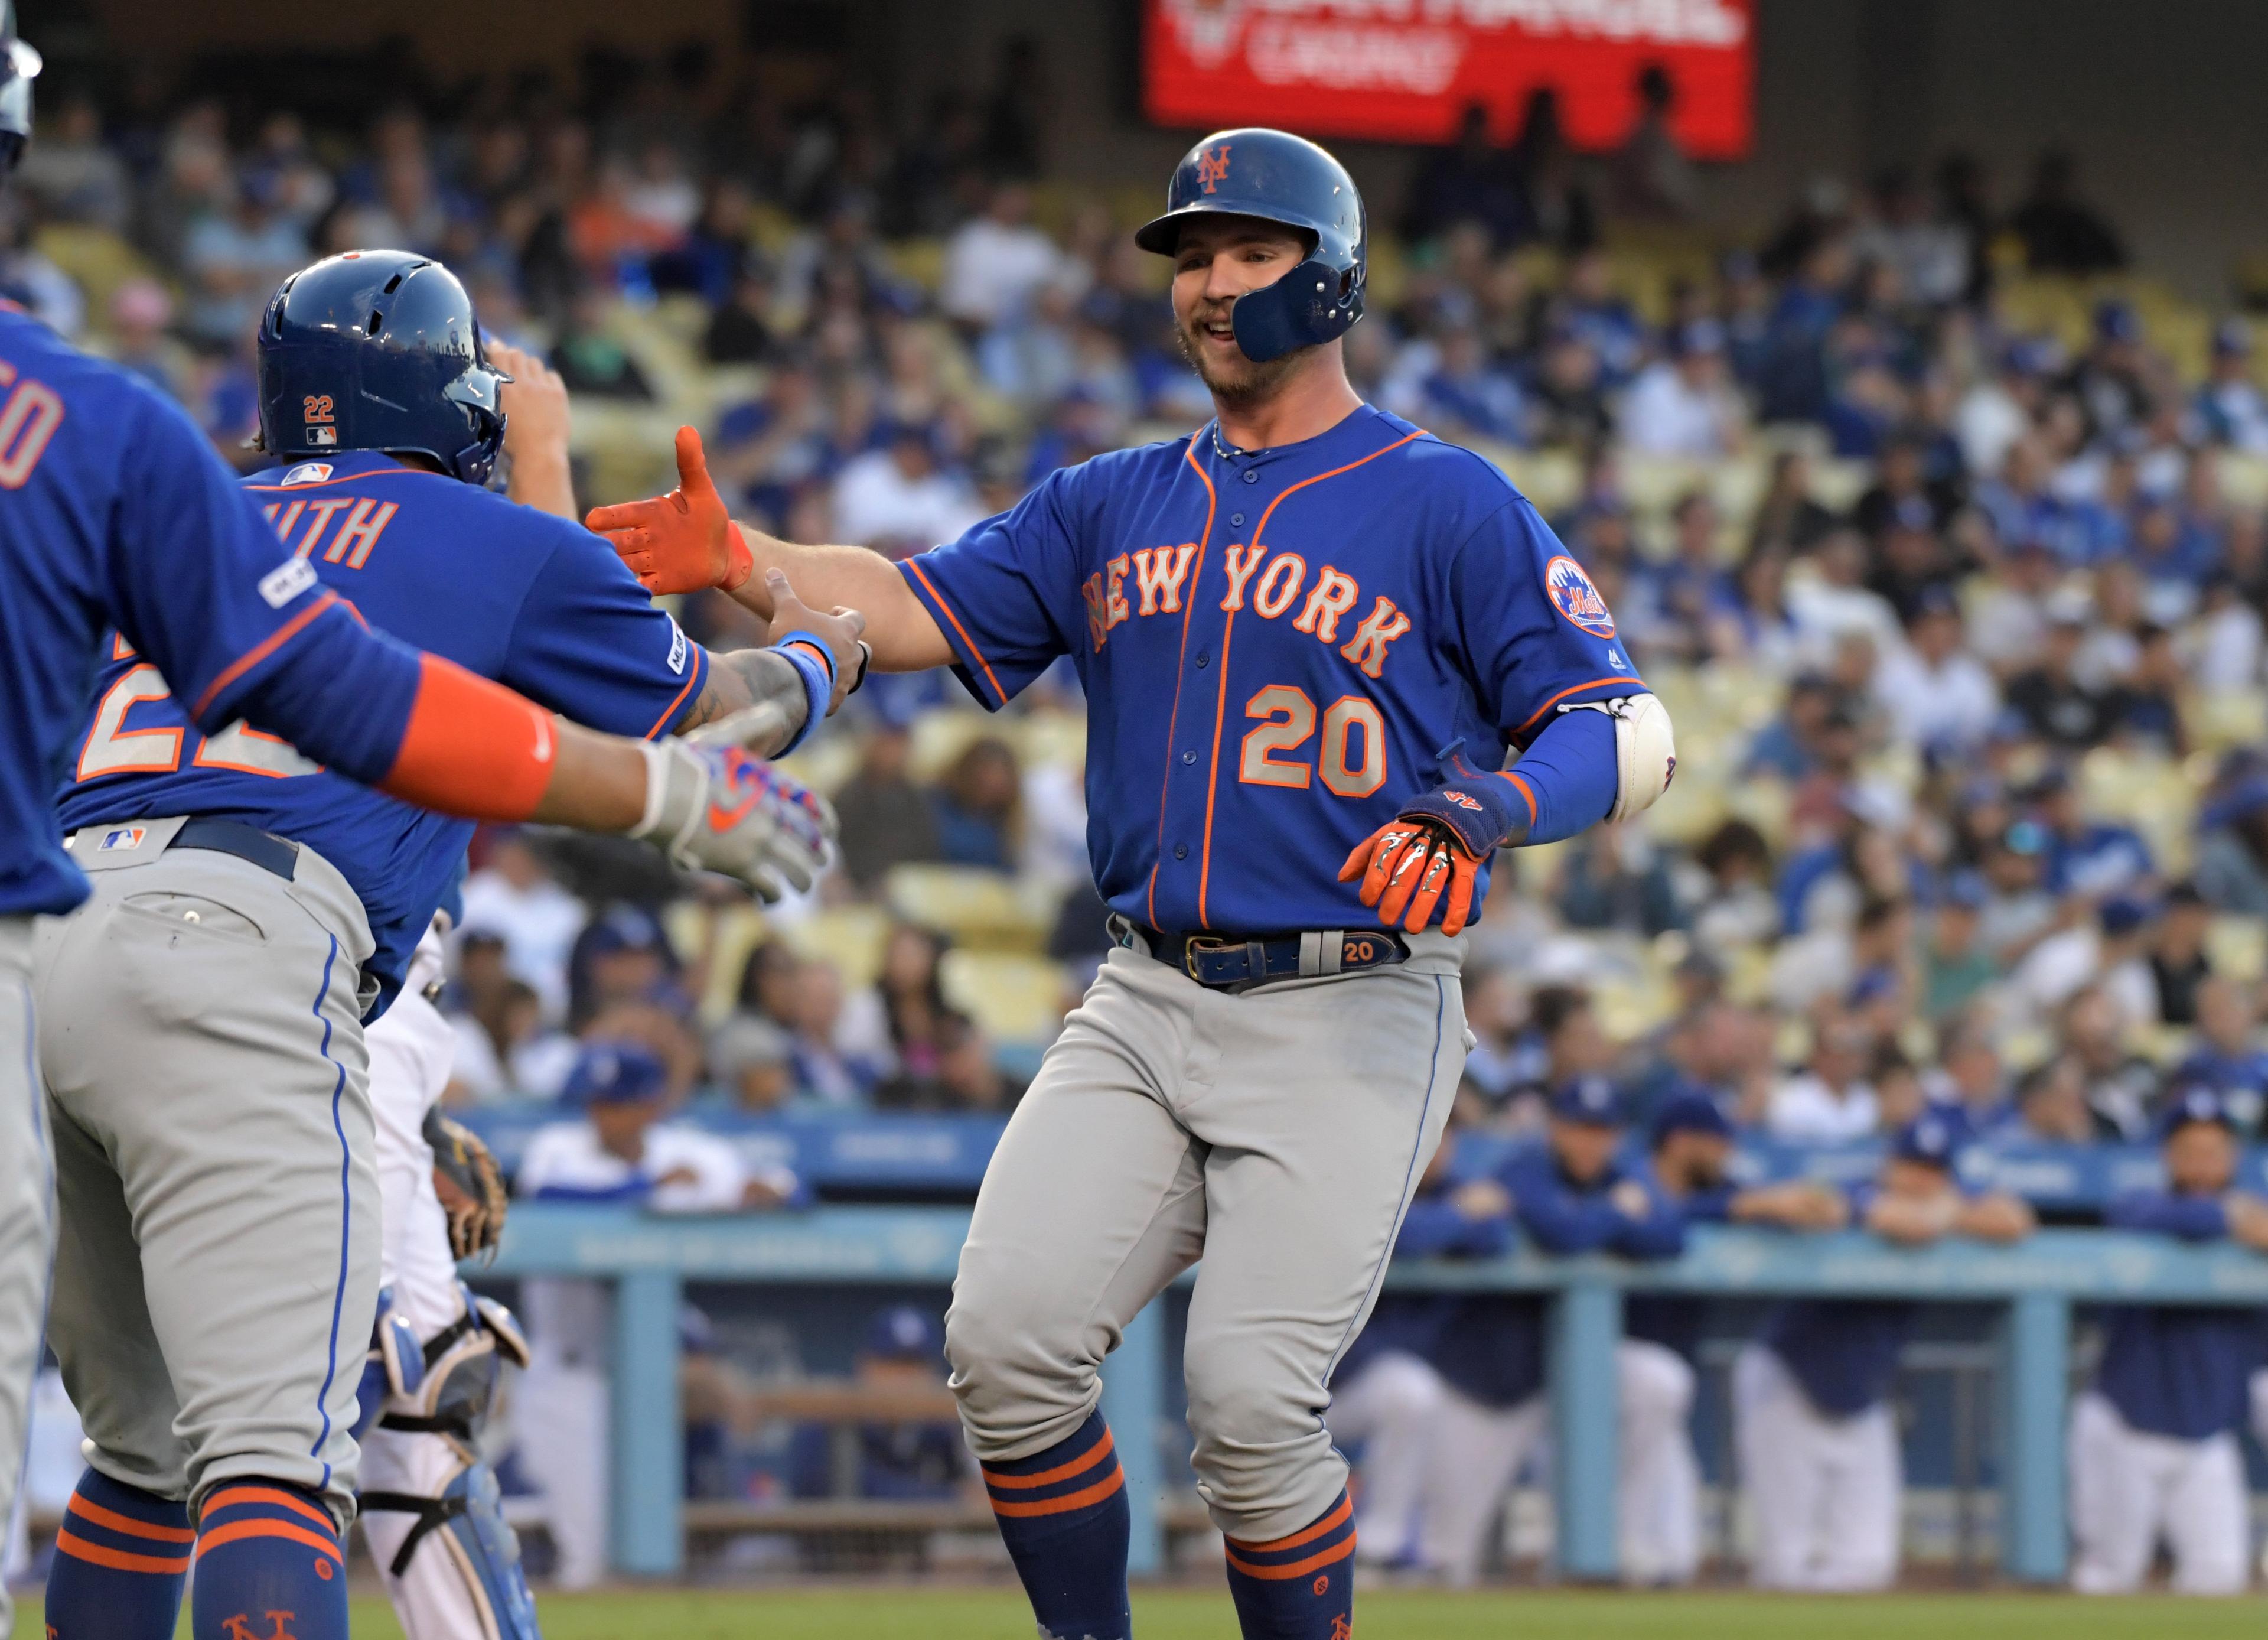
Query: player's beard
[[1241, 383]]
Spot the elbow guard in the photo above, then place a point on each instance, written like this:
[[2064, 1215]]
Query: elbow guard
[[1645, 752]]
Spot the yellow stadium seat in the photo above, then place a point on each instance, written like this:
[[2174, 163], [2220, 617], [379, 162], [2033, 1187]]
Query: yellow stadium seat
[[728, 934], [2238, 947], [2228, 717], [918, 262], [2243, 478], [1550, 479], [850, 936], [1014, 999], [980, 909], [942, 735]]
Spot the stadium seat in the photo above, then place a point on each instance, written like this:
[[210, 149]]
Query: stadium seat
[[850, 936], [980, 908], [1014, 999], [2238, 947]]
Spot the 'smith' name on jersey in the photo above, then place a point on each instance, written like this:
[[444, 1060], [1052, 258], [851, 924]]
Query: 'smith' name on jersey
[[1276, 581], [1278, 650]]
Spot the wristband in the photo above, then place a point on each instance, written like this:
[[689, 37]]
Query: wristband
[[814, 664], [1482, 814]]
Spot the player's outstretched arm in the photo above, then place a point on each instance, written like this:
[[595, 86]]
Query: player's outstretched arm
[[537, 426], [814, 661], [686, 541]]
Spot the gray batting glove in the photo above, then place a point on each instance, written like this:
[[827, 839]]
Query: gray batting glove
[[710, 805]]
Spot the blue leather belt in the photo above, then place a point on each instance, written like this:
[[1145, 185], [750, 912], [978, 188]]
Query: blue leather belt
[[278, 856], [1223, 962]]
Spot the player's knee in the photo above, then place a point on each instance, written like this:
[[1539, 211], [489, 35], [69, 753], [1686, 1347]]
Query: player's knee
[[1009, 1372], [1656, 1385], [1257, 1435], [1411, 1391]]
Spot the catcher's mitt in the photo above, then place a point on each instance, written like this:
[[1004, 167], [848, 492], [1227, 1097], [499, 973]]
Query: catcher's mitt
[[471, 1185]]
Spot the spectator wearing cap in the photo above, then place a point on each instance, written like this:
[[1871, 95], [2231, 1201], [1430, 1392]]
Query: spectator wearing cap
[[1690, 1142], [902, 1354], [1469, 396], [613, 1149], [2105, 951], [2018, 912], [752, 1061], [2094, 858], [2111, 379], [2120, 1084], [2178, 961], [1817, 1440], [1684, 404], [2055, 703], [2227, 1057], [1571, 1193], [1938, 696], [2154, 1440], [2232, 860], [1956, 964], [2050, 1108], [2229, 409], [2060, 234]]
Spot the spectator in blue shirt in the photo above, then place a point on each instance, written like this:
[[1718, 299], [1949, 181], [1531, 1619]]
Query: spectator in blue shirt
[[2098, 859], [1818, 1442], [2229, 408], [900, 1459], [2153, 1441], [2228, 1057], [1572, 1193]]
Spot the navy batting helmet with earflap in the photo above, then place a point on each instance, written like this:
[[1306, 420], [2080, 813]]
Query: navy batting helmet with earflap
[[378, 349], [1280, 178], [20, 66]]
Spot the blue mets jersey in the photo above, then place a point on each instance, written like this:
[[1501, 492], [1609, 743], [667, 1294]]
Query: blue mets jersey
[[1279, 649], [115, 515], [532, 600]]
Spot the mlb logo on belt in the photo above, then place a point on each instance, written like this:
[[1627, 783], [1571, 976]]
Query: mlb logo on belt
[[124, 836], [1574, 596]]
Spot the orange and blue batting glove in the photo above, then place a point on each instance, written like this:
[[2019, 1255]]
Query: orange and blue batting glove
[[682, 541], [1428, 857]]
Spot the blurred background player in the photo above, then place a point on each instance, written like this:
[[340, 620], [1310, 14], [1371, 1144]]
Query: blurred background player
[[1817, 1440], [616, 1148], [1569, 1193], [1659, 1502], [2153, 1439]]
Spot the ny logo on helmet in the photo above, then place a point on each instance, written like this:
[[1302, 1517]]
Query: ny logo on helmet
[[1212, 168]]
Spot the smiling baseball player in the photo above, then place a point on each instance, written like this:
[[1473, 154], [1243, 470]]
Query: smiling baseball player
[[217, 1282], [1309, 635]]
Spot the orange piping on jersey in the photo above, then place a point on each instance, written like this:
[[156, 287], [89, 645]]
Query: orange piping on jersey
[[1297, 1569], [1576, 690], [998, 693], [700, 665], [1524, 791], [1174, 718], [1331, 1522], [1068, 1501], [1079, 1464], [343, 478], [1212, 776], [261, 650], [229, 1497], [126, 1523], [69, 1542], [263, 1527]]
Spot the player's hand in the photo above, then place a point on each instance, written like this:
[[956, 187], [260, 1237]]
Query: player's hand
[[682, 541], [2248, 1220], [1412, 868], [1630, 1200], [535, 403], [1997, 1218], [1481, 1200], [838, 631], [716, 807]]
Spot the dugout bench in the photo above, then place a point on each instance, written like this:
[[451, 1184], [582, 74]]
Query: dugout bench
[[2034, 1283]]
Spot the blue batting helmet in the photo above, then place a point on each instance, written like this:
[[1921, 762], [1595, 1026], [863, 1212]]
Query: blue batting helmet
[[20, 66], [1280, 178], [378, 349]]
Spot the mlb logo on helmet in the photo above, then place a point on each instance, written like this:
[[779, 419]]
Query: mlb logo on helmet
[[325, 437], [1574, 596], [124, 836]]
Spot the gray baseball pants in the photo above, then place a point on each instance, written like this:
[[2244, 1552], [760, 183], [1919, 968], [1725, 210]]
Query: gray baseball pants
[[217, 1275], [1278, 1134], [28, 1217]]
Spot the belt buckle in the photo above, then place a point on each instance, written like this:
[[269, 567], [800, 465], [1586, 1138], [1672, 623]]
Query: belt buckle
[[1202, 945]]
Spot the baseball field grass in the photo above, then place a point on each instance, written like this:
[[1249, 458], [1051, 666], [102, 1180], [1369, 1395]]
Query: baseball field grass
[[1204, 1614]]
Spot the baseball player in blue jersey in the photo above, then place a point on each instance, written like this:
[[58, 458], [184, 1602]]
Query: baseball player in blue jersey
[[1309, 636], [1817, 1441], [1659, 1500], [250, 909], [1572, 1193], [2154, 1440], [115, 518]]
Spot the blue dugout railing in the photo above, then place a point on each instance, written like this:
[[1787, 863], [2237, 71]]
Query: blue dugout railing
[[2035, 1284]]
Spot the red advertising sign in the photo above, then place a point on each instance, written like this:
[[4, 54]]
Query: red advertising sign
[[1405, 70]]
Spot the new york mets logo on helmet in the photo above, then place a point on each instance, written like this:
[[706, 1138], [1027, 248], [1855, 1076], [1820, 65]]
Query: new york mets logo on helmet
[[1574, 596], [1212, 168]]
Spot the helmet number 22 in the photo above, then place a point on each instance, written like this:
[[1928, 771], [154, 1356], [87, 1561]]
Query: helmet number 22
[[1286, 722]]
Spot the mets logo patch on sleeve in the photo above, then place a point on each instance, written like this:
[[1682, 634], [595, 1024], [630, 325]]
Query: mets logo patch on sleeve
[[1574, 596]]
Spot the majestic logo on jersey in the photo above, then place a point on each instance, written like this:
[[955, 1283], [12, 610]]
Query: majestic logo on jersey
[[307, 473], [1213, 166], [286, 581], [1574, 596], [125, 837]]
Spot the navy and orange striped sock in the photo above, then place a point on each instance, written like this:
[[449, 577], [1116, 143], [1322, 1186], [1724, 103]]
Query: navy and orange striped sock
[[268, 1565], [1301, 1587], [120, 1558], [1062, 1513]]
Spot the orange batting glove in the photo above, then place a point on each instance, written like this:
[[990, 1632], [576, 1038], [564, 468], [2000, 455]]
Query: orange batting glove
[[1412, 868], [682, 541]]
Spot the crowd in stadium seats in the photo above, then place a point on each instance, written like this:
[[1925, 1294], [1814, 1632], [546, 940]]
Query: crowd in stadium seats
[[1941, 535]]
